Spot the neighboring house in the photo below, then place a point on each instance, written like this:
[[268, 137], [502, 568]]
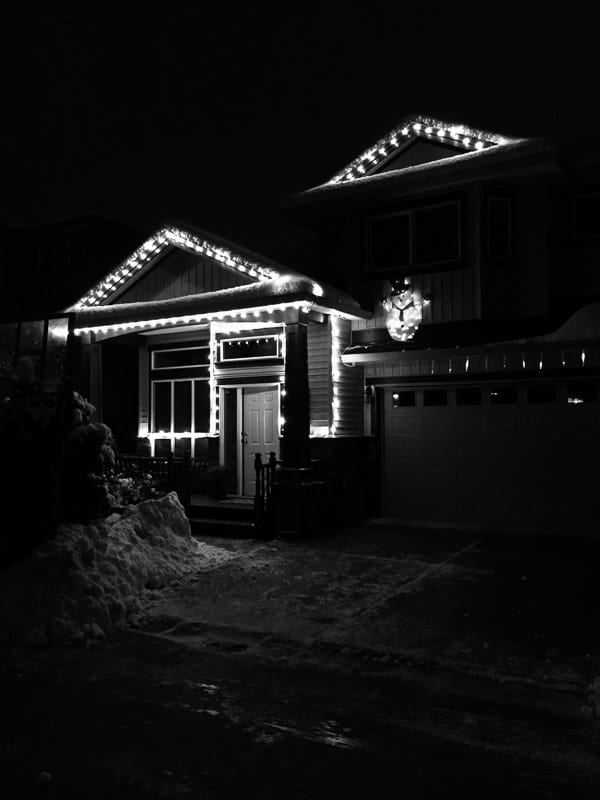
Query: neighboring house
[[476, 255]]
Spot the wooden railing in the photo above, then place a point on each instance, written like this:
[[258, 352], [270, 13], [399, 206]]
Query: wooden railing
[[265, 473]]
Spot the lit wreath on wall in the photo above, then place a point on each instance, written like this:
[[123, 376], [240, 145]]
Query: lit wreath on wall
[[404, 310]]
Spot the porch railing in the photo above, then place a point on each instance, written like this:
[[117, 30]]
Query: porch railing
[[171, 474], [265, 473]]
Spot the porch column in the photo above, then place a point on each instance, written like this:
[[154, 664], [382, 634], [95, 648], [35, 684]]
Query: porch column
[[296, 411]]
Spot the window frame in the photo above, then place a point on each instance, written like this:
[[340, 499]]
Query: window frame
[[413, 267]]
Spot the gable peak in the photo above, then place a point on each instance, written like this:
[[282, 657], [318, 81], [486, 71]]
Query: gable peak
[[411, 129]]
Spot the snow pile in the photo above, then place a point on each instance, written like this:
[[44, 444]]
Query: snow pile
[[94, 576]]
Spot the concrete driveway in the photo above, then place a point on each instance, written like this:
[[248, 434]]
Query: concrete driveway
[[511, 612]]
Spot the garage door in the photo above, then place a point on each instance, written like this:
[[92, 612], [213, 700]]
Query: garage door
[[503, 457]]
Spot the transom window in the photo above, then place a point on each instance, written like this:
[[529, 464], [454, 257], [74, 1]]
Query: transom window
[[250, 348], [180, 358], [413, 238]]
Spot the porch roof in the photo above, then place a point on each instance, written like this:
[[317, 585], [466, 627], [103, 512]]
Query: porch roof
[[276, 294]]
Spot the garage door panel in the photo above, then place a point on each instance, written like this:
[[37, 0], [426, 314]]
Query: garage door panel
[[518, 467]]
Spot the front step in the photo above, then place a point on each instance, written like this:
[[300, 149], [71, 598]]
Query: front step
[[217, 526], [241, 513]]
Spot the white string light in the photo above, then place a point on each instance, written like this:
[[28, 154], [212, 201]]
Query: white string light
[[461, 135]]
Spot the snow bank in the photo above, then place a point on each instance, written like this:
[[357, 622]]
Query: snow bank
[[92, 577]]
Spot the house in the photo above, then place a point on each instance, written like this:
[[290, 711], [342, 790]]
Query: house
[[440, 364], [200, 346], [477, 256]]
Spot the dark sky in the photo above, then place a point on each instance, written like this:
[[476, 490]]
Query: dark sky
[[216, 116]]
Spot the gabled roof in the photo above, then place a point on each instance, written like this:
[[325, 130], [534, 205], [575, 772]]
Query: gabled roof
[[272, 288], [191, 239], [458, 136]]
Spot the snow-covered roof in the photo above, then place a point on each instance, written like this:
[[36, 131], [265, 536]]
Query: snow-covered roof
[[278, 294], [458, 136], [191, 239]]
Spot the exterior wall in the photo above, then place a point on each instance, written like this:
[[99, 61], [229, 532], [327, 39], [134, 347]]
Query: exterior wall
[[319, 375], [179, 274], [336, 391], [347, 384]]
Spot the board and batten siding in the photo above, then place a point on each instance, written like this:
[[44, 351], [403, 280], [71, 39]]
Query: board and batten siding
[[179, 274], [347, 383], [319, 374]]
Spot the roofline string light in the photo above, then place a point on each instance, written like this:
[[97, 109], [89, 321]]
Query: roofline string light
[[434, 130], [153, 246], [192, 319]]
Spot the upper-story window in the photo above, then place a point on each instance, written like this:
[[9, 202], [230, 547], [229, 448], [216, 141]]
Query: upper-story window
[[585, 216], [423, 237]]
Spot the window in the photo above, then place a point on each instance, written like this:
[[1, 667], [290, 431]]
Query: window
[[415, 237], [435, 397], [585, 216], [541, 394], [180, 406], [245, 349], [499, 228], [504, 396], [468, 397], [403, 399], [581, 393], [180, 358]]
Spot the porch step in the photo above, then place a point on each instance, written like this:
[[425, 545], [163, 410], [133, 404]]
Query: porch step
[[218, 526], [242, 512]]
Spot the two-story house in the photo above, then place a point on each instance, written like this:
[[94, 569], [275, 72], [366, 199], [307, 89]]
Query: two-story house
[[443, 358], [477, 255]]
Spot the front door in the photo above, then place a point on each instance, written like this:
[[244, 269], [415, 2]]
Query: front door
[[260, 430]]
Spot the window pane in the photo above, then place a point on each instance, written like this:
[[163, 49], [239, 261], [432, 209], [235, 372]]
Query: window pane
[[436, 234], [162, 447], [468, 397], [191, 357], [541, 394], [504, 396], [403, 399], [162, 406], [389, 241], [32, 335], [183, 446], [201, 406], [435, 397], [183, 406], [581, 393], [259, 347]]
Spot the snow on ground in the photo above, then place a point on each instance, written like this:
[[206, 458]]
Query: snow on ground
[[97, 575]]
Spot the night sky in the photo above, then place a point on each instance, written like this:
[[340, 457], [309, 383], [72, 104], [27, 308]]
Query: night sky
[[215, 117]]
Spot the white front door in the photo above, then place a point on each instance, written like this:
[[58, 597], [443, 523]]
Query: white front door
[[260, 430]]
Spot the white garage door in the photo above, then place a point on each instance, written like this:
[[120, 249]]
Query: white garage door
[[502, 457]]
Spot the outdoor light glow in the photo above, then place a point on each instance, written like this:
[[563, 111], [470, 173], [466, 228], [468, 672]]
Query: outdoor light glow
[[185, 320], [370, 159], [404, 312]]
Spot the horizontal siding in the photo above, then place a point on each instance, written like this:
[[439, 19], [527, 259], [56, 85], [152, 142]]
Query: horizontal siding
[[319, 374], [347, 385]]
